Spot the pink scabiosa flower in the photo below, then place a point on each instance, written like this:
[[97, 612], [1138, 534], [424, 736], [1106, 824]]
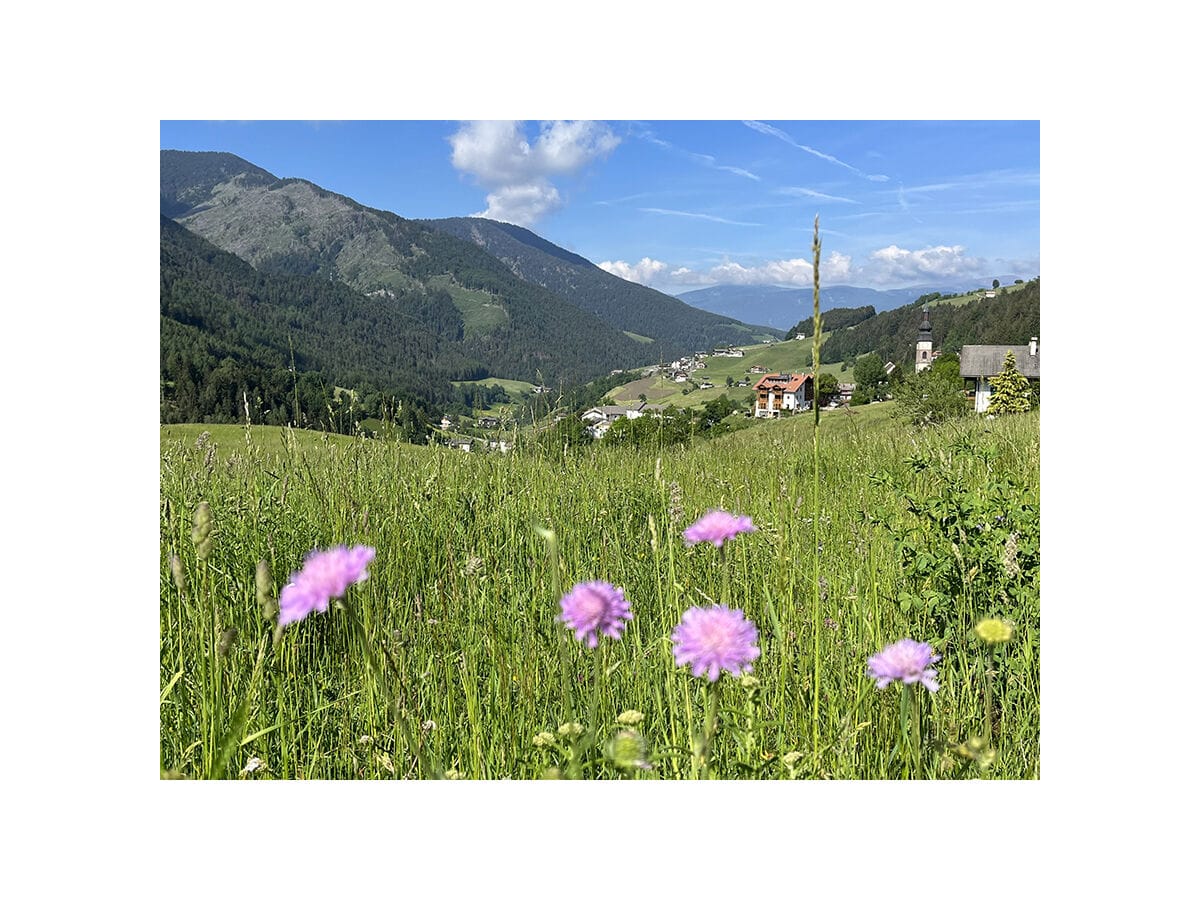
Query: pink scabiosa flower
[[326, 574], [713, 639], [592, 608], [908, 661], [716, 527]]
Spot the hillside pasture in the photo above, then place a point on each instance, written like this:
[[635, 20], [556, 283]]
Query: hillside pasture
[[449, 660]]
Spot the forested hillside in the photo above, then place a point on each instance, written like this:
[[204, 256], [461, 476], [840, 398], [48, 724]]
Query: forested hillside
[[676, 327], [226, 329], [1013, 317]]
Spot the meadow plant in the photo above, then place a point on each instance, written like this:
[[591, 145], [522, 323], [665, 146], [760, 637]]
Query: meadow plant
[[712, 640], [326, 574], [589, 609], [592, 608], [716, 527], [910, 663], [993, 633]]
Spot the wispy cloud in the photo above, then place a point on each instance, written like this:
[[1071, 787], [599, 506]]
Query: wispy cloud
[[693, 215], [995, 179], [703, 159], [816, 195], [625, 199], [764, 128]]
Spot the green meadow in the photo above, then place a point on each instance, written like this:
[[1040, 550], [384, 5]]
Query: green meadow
[[449, 661]]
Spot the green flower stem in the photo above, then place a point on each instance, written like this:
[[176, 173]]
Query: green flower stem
[[700, 762], [989, 676], [910, 709], [724, 576]]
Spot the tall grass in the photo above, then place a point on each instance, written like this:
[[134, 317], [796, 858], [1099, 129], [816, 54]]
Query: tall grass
[[463, 595]]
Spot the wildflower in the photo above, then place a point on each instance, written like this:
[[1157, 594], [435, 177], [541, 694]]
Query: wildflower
[[630, 717], [573, 729], [543, 739], [326, 574], [906, 660], [750, 683], [993, 631], [716, 526], [453, 775], [713, 639], [253, 764], [790, 759], [429, 725], [595, 607], [627, 750]]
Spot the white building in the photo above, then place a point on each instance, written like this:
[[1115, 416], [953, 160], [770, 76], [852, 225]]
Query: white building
[[979, 362]]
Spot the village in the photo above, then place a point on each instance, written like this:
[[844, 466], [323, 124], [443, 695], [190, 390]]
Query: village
[[761, 391]]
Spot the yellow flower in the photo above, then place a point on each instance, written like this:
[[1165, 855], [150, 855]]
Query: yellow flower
[[993, 631]]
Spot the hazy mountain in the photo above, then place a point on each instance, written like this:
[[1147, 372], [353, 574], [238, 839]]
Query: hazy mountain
[[675, 326], [782, 307]]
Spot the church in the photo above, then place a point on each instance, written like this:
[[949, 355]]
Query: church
[[979, 362]]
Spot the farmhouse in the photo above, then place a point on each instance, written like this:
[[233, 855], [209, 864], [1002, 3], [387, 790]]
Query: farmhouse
[[780, 391], [979, 362], [600, 418]]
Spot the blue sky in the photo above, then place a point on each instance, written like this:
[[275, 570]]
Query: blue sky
[[681, 205]]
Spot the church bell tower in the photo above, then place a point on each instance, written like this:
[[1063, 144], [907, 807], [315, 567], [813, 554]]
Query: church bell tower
[[924, 343]]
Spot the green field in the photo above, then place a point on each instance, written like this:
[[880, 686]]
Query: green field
[[448, 661], [782, 356], [481, 311], [512, 386]]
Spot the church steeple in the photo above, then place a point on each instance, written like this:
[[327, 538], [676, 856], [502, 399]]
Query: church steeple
[[924, 342]]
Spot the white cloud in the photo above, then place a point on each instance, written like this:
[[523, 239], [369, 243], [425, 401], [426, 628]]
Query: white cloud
[[795, 272], [522, 204], [894, 264], [644, 272], [516, 172]]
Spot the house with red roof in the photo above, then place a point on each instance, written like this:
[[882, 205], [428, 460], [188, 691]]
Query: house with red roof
[[781, 391]]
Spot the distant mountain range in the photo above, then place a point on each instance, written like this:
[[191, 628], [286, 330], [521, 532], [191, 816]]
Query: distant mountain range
[[781, 307]]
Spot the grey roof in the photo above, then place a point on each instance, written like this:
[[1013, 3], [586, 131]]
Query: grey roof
[[986, 360]]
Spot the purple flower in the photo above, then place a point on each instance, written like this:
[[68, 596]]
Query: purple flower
[[908, 661], [326, 574], [716, 526], [594, 607], [713, 639]]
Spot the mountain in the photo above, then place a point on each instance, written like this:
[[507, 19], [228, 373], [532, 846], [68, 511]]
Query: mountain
[[231, 335], [675, 327], [487, 320], [781, 307]]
